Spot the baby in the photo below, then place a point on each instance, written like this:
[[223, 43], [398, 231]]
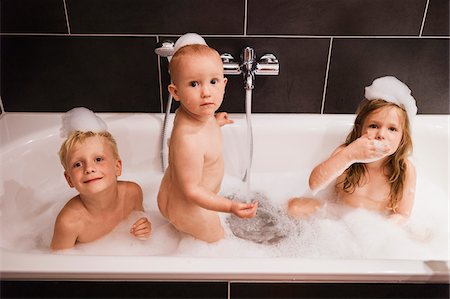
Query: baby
[[371, 169], [91, 165], [188, 195]]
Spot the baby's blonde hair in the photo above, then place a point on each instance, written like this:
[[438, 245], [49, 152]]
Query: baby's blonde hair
[[395, 164], [190, 50], [78, 137]]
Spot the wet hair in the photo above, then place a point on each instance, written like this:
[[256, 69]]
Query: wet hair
[[396, 163], [190, 50], [78, 137]]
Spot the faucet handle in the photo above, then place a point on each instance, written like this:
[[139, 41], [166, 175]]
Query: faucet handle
[[268, 65], [229, 66]]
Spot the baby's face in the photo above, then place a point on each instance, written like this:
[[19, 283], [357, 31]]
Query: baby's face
[[200, 84], [91, 166], [385, 126]]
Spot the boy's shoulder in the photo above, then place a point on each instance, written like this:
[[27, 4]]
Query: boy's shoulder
[[72, 214], [129, 189]]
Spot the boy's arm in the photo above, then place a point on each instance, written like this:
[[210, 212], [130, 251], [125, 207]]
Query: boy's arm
[[65, 233]]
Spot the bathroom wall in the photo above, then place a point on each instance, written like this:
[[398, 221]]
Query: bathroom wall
[[58, 54]]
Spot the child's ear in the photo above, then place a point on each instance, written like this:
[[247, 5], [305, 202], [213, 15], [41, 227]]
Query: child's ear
[[173, 91], [68, 179], [225, 80], [118, 167]]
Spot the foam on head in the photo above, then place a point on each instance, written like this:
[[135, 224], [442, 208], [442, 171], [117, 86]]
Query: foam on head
[[187, 39], [392, 90], [81, 119]]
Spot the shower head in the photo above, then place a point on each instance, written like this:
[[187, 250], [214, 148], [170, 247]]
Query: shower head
[[165, 49]]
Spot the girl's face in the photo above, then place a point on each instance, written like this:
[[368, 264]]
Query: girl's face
[[385, 125], [92, 167]]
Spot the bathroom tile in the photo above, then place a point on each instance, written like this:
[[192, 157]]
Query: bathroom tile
[[31, 16], [54, 74], [297, 89], [422, 64], [115, 289], [437, 20], [156, 16], [335, 17], [336, 290]]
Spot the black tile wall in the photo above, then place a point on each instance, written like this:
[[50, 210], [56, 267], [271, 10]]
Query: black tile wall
[[156, 17], [106, 74], [355, 63], [437, 22], [43, 16], [57, 54], [335, 17]]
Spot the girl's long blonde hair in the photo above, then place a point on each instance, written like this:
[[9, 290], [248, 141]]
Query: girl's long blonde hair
[[395, 165]]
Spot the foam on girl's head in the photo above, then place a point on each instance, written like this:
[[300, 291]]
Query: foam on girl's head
[[392, 90], [81, 119]]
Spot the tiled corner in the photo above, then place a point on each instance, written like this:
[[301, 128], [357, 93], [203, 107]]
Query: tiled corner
[[156, 16], [422, 64], [331, 17], [54, 74], [43, 16]]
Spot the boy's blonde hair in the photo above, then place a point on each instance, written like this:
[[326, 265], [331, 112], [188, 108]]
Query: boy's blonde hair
[[78, 137], [395, 164], [189, 50]]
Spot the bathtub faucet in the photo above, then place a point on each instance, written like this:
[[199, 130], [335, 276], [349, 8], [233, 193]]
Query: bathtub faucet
[[267, 65]]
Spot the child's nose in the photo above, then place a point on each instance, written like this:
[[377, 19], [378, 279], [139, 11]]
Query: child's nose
[[380, 134], [90, 168], [205, 91]]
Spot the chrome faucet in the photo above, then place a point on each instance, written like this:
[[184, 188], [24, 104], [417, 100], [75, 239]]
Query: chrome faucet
[[267, 65]]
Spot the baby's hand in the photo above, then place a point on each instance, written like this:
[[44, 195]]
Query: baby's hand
[[222, 119], [141, 228], [366, 149], [244, 210]]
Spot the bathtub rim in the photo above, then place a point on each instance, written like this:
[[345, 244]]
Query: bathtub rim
[[94, 267]]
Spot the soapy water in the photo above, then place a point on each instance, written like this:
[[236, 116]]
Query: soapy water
[[333, 232]]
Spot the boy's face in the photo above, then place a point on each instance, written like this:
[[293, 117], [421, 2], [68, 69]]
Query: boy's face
[[385, 125], [91, 166], [199, 84]]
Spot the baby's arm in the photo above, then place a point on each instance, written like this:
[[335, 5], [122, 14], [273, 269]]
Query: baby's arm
[[362, 150], [222, 119], [187, 164], [405, 205]]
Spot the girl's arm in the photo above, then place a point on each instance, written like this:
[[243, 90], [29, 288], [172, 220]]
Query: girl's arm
[[362, 150], [405, 206]]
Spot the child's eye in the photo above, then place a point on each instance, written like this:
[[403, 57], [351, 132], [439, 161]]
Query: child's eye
[[373, 126], [394, 129], [77, 164], [194, 84], [98, 159], [214, 81]]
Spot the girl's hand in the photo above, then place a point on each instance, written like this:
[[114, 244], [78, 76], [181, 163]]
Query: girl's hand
[[244, 210], [366, 149], [222, 119], [141, 229]]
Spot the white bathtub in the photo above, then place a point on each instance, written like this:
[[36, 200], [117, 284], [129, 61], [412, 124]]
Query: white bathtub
[[286, 147]]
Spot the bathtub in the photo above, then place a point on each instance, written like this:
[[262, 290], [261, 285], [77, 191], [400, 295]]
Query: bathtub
[[286, 148]]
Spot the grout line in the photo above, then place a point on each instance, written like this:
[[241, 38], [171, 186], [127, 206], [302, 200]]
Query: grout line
[[161, 102], [67, 17], [245, 17], [325, 84], [424, 17], [1, 106], [233, 36], [229, 289]]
